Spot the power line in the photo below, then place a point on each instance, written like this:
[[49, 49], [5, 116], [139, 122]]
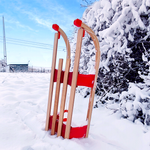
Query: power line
[[27, 45], [29, 42], [34, 46]]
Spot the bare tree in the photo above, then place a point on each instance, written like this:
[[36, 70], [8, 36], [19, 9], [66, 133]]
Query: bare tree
[[87, 3]]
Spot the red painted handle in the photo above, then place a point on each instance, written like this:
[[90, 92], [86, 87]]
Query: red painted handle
[[78, 22], [55, 27]]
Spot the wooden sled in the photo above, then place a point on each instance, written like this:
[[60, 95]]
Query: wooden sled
[[74, 79]]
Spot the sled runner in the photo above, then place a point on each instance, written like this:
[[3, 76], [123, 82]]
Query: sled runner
[[56, 122]]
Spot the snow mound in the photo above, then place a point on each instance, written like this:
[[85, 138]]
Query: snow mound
[[23, 105]]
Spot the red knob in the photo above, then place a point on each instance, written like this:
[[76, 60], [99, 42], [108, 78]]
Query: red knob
[[55, 27], [77, 22]]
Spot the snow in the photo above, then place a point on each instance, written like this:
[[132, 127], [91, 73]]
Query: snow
[[147, 3], [23, 106]]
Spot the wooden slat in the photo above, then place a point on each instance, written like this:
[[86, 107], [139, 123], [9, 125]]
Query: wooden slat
[[74, 82], [63, 98], [56, 97], [51, 81]]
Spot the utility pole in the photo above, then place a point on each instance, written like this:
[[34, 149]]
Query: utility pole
[[4, 43]]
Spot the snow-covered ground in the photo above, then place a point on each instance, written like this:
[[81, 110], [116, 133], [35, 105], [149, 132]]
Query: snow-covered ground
[[23, 106]]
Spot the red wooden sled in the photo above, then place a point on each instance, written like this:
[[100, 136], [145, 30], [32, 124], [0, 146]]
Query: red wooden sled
[[56, 122]]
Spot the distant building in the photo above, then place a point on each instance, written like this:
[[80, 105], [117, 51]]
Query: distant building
[[18, 68]]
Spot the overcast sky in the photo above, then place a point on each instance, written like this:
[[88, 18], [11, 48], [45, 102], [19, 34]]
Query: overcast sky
[[31, 20]]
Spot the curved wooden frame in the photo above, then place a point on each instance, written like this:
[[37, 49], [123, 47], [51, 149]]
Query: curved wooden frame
[[66, 42], [97, 47], [75, 71], [60, 31]]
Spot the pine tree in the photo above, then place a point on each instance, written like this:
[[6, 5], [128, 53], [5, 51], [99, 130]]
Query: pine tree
[[123, 30]]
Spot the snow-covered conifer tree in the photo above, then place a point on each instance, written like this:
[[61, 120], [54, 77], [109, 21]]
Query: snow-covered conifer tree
[[123, 30]]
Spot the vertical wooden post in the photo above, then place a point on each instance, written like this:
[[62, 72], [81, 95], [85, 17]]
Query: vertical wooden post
[[90, 111], [91, 100], [51, 81], [56, 96], [74, 82], [89, 106], [63, 98]]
